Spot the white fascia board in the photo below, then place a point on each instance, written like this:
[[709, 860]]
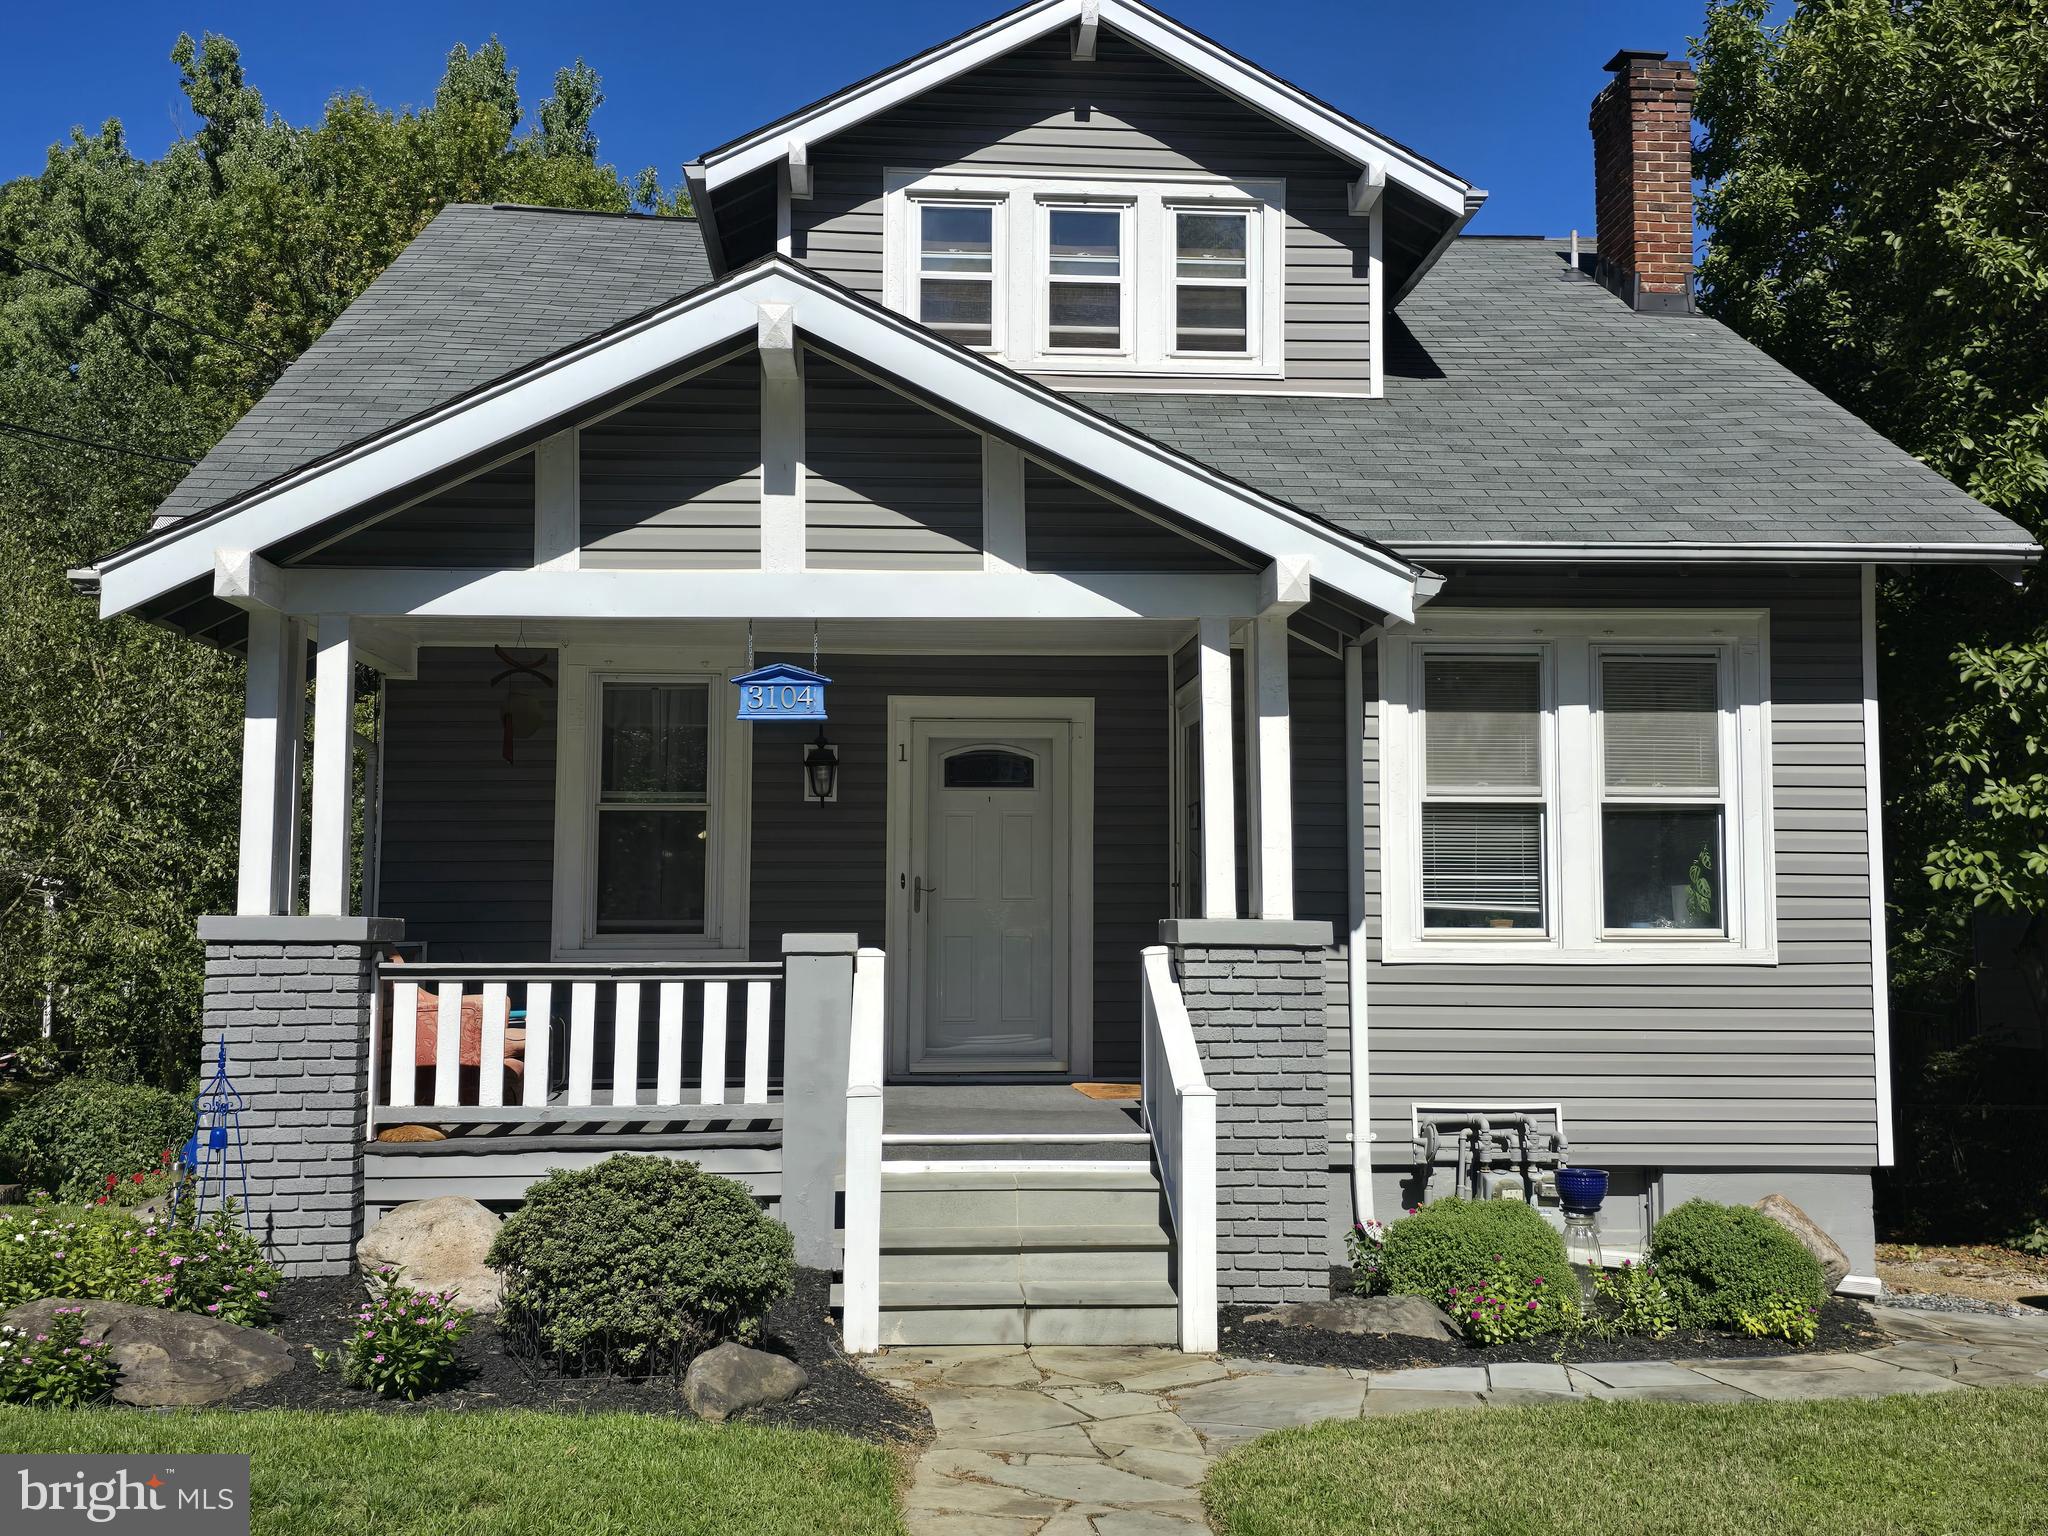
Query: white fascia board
[[1894, 553], [1032, 414], [1199, 56], [729, 594]]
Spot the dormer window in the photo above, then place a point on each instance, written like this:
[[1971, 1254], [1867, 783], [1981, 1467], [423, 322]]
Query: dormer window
[[1093, 277]]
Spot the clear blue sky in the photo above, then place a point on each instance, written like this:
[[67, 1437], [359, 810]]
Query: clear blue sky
[[1495, 89]]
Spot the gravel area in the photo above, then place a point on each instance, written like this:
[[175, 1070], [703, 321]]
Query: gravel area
[[1948, 1301], [1844, 1325], [840, 1397]]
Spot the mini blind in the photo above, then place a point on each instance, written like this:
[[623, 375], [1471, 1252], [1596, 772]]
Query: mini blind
[[1482, 858], [1482, 723], [1660, 723]]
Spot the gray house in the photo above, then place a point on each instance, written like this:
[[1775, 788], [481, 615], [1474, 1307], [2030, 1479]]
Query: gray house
[[1254, 709]]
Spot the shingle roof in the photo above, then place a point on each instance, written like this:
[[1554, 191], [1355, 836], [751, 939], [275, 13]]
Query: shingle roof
[[482, 292], [1525, 404]]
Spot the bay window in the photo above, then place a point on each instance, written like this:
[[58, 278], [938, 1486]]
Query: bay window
[[1576, 787]]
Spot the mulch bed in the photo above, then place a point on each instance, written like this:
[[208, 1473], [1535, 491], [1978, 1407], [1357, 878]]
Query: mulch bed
[[841, 1397], [1844, 1325]]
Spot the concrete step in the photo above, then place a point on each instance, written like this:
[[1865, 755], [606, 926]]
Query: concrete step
[[1131, 1252], [984, 1311], [1024, 1195]]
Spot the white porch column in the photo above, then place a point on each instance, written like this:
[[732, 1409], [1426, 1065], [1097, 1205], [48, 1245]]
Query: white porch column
[[273, 703], [333, 767], [1271, 799], [1219, 809], [783, 533]]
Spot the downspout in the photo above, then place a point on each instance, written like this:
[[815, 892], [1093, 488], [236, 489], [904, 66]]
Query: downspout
[[1354, 975]]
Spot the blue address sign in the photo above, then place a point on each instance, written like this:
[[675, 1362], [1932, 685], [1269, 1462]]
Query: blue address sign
[[780, 691]]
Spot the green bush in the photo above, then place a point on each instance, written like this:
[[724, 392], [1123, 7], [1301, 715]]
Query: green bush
[[1719, 1262], [71, 1137], [1455, 1244], [103, 1253], [639, 1262]]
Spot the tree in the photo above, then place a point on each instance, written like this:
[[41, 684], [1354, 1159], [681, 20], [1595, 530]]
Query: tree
[[144, 305], [1876, 194]]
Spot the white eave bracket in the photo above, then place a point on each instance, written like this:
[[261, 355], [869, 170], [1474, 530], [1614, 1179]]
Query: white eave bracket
[[247, 581], [775, 334], [1284, 585], [799, 162], [1369, 187], [1085, 31]]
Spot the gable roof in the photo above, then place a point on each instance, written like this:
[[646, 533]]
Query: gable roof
[[480, 292], [1530, 413], [739, 307]]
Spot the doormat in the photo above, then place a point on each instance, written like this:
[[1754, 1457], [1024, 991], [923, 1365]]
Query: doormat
[[1109, 1090]]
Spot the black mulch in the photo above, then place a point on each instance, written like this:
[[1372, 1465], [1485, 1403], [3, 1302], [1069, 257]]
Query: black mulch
[[840, 1397], [1844, 1325]]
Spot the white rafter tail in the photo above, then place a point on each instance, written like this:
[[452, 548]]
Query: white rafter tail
[[1285, 584], [247, 580], [1368, 188], [799, 161], [1087, 31]]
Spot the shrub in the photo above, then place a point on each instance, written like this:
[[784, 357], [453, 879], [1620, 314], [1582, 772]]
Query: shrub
[[62, 1372], [1719, 1261], [1367, 1245], [70, 1136], [103, 1253], [1506, 1306], [1633, 1300], [1454, 1242], [639, 1262], [405, 1342], [1780, 1317]]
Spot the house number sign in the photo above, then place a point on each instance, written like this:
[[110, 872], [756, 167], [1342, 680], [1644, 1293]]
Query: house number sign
[[780, 691]]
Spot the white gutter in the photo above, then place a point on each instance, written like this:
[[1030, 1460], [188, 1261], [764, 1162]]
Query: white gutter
[[1886, 554], [1354, 958]]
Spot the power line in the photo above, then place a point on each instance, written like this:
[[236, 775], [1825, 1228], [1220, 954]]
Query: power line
[[108, 296], [16, 429]]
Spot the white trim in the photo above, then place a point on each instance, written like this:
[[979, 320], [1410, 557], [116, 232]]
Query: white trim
[[1019, 408], [1376, 301], [906, 713], [1002, 506], [1569, 643], [1086, 32], [1219, 791], [1356, 966], [861, 1261], [334, 742], [1873, 810], [1271, 744], [271, 699], [1009, 1165], [783, 515], [1314, 120], [558, 502], [728, 857], [1662, 551]]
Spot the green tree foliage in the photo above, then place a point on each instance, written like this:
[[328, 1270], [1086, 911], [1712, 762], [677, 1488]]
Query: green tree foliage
[[147, 304], [1876, 191]]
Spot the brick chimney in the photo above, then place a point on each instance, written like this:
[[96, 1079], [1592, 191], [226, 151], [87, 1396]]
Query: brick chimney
[[1642, 180]]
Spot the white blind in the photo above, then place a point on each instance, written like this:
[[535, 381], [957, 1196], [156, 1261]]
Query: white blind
[[1483, 858], [1660, 722], [1482, 723]]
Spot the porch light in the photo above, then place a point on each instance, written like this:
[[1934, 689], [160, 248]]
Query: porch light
[[821, 768]]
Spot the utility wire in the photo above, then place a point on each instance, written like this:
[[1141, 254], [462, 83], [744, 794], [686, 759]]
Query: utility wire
[[16, 429], [108, 296]]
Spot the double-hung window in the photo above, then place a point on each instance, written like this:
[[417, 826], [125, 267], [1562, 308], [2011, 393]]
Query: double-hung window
[[1084, 290], [1212, 280], [1577, 787], [957, 270]]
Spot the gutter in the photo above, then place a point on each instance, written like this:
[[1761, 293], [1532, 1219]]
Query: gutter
[[2017, 552]]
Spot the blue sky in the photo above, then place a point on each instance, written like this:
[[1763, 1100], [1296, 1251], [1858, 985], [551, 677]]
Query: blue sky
[[1495, 89]]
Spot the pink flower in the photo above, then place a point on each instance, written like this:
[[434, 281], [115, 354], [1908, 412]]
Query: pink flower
[[448, 1327], [263, 1295], [379, 1360]]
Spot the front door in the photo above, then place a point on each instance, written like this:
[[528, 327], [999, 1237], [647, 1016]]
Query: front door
[[989, 917]]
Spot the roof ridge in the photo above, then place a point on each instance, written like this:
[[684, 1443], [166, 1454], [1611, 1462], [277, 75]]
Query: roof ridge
[[585, 213]]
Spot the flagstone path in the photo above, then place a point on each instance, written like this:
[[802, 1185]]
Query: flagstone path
[[1114, 1442]]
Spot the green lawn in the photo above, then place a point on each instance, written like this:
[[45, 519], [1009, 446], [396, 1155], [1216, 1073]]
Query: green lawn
[[1964, 1462], [519, 1474]]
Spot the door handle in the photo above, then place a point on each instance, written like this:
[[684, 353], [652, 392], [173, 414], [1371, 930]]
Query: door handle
[[917, 893]]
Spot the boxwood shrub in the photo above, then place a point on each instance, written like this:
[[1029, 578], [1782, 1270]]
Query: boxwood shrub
[[638, 1264], [1457, 1243], [69, 1137], [1719, 1261]]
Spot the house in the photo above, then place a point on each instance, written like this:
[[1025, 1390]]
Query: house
[[1404, 701]]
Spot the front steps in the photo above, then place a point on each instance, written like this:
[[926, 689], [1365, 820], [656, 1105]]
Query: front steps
[[1031, 1253]]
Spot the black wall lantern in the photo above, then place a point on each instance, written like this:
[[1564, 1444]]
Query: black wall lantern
[[821, 769]]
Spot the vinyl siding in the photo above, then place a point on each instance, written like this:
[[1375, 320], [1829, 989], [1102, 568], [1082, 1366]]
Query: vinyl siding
[[1038, 112], [485, 522], [1672, 1066], [676, 479], [1068, 527], [888, 483]]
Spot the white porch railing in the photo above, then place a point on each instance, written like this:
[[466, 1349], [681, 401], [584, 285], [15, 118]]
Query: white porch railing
[[861, 1262], [1180, 1113], [461, 1044]]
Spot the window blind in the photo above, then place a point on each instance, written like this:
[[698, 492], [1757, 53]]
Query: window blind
[[1482, 723], [1482, 858], [1661, 724]]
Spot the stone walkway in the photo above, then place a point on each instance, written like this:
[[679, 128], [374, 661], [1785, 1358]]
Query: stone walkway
[[1114, 1442]]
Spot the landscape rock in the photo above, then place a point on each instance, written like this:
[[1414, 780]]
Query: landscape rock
[[1812, 1237], [733, 1378], [166, 1359], [1409, 1316], [438, 1245]]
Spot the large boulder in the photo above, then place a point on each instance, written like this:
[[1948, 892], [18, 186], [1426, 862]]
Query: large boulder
[[1812, 1236], [438, 1245], [733, 1378], [167, 1359], [1409, 1316]]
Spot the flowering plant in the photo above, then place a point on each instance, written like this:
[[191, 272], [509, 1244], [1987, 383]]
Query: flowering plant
[[216, 1269], [1505, 1307], [1368, 1261], [64, 1371], [405, 1341], [105, 1253], [1780, 1317], [141, 1186], [1632, 1299]]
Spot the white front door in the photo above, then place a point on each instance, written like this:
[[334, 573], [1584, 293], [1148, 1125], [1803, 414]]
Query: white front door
[[989, 926]]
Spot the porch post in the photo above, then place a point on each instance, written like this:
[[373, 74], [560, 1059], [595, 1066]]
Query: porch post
[[333, 767], [1219, 808], [273, 702], [817, 1023], [1272, 806]]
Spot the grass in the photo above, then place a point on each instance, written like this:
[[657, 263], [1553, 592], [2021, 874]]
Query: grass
[[1953, 1462], [519, 1474]]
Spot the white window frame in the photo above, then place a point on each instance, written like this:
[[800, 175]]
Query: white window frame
[[1044, 277], [1572, 641], [579, 744], [911, 301], [1253, 282], [1023, 265]]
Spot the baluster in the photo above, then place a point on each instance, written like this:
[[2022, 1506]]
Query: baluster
[[448, 1044], [582, 1039], [758, 1005], [668, 1074], [626, 1043], [491, 1064], [539, 1034], [404, 1041], [711, 1080]]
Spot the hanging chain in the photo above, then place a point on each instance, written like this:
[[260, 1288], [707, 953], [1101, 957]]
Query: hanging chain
[[750, 645], [814, 645]]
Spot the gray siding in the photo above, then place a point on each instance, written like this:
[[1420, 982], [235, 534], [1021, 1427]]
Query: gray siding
[[676, 479], [485, 522], [1673, 1066], [1036, 111], [468, 838], [1068, 527]]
